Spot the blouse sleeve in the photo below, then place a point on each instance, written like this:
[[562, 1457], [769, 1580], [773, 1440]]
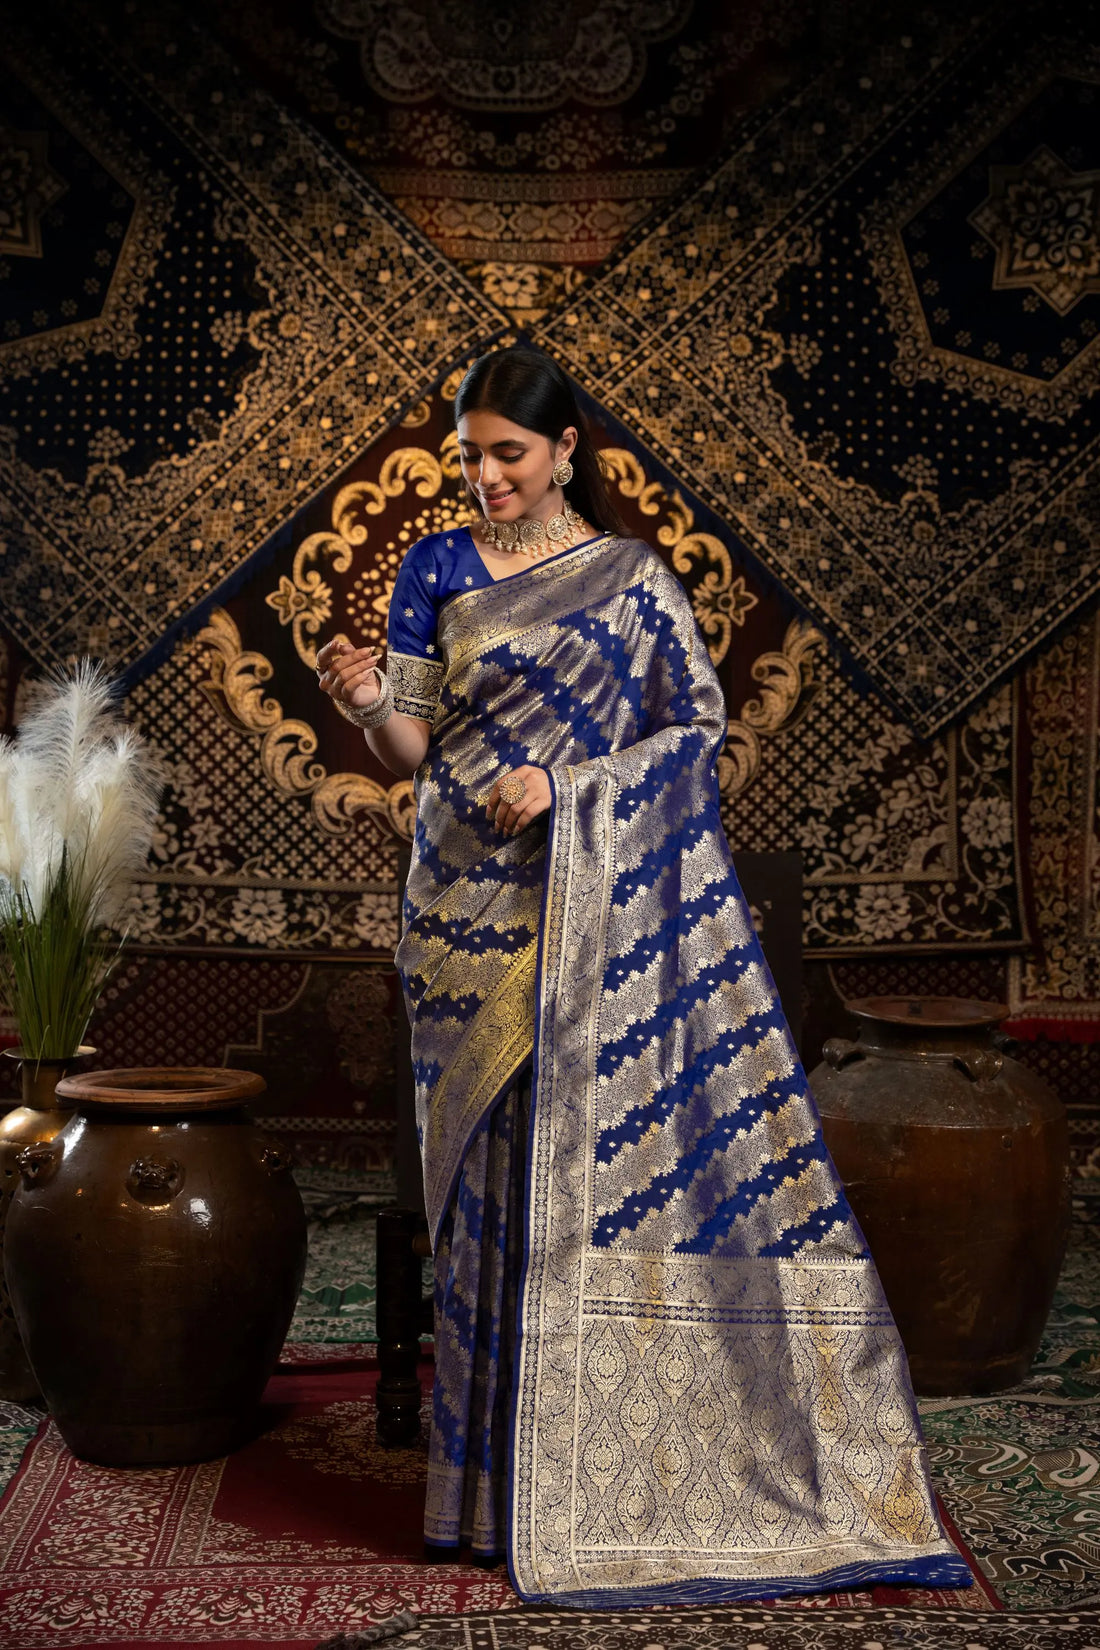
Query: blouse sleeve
[[415, 672]]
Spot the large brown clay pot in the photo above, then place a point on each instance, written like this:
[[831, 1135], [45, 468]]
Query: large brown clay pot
[[956, 1161], [155, 1251], [39, 1118]]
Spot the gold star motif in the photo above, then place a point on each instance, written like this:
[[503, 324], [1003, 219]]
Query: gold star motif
[[291, 602], [1041, 220]]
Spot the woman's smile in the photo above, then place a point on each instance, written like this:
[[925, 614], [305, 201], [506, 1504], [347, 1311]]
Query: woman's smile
[[494, 500]]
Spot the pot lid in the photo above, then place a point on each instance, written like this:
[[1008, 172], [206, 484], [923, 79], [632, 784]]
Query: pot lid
[[943, 1012], [171, 1088]]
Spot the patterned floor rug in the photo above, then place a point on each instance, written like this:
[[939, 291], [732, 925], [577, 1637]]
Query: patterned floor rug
[[310, 1530], [753, 1629], [1019, 1473]]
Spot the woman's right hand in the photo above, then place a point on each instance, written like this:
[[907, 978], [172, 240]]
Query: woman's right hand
[[347, 673]]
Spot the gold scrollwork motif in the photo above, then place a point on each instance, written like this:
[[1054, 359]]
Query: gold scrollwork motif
[[719, 601], [304, 600], [624, 470], [449, 458], [235, 689], [787, 690]]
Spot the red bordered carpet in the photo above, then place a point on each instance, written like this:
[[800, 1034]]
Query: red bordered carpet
[[308, 1531]]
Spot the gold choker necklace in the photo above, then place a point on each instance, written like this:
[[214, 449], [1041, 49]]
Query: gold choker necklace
[[534, 538]]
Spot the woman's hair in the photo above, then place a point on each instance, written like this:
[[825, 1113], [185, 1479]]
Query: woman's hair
[[530, 389]]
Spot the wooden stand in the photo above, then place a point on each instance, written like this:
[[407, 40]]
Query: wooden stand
[[402, 1244], [403, 1313]]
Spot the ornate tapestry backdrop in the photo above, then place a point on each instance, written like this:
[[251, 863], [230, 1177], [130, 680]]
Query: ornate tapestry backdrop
[[207, 312], [526, 162], [868, 338], [838, 379], [279, 829]]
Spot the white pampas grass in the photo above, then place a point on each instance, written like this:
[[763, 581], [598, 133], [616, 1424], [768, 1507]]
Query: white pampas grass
[[78, 801]]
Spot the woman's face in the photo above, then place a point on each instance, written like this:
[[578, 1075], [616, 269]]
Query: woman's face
[[509, 468]]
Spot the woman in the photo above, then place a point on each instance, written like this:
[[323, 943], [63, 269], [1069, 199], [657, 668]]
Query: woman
[[665, 1369]]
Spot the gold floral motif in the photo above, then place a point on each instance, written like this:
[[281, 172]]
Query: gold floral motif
[[235, 688], [719, 600], [596, 54], [787, 690], [624, 470], [33, 188], [117, 327], [309, 601], [710, 390], [304, 600], [1041, 221]]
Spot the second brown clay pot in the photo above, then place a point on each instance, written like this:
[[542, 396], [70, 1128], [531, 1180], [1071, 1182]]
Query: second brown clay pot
[[956, 1163]]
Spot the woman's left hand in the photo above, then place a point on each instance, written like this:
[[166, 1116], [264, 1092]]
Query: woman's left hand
[[515, 816]]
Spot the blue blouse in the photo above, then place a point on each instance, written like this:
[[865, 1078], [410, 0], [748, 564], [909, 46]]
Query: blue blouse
[[435, 570]]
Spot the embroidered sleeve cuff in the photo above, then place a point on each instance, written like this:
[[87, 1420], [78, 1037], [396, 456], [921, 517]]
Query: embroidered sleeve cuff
[[415, 684]]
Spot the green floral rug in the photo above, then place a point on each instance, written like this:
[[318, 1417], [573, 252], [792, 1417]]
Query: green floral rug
[[1020, 1471], [337, 1299]]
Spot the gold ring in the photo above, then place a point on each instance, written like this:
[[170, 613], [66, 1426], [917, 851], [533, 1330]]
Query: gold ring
[[512, 790]]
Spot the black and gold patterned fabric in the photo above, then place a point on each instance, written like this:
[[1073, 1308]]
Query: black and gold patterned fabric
[[206, 314], [868, 337]]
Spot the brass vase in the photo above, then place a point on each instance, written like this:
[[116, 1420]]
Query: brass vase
[[37, 1120]]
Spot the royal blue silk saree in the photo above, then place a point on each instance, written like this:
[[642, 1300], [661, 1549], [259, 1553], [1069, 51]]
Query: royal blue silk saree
[[666, 1370]]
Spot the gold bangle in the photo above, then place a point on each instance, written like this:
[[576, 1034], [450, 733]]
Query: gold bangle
[[373, 715]]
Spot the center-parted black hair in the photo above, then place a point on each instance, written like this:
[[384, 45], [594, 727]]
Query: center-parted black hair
[[529, 388]]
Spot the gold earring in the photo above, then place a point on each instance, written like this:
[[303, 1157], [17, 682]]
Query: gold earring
[[563, 472]]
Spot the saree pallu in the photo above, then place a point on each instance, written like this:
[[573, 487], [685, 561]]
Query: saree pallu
[[709, 1399]]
